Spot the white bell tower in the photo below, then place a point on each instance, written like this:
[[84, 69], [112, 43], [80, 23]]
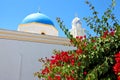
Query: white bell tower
[[77, 29]]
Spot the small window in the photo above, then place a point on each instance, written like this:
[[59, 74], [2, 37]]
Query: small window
[[42, 33]]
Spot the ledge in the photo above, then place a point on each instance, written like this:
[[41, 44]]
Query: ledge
[[31, 37]]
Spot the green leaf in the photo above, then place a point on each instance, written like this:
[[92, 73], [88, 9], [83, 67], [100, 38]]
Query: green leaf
[[117, 29]]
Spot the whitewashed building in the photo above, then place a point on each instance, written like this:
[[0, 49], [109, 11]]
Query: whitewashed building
[[20, 50], [77, 29]]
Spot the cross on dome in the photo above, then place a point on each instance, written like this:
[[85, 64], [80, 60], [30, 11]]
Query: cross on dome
[[38, 9]]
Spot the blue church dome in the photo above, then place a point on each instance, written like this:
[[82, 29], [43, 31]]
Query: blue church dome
[[37, 17]]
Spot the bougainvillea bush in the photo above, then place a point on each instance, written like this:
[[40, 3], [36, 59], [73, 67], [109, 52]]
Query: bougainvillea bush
[[96, 57]]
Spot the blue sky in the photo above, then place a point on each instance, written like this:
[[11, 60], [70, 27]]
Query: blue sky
[[12, 12]]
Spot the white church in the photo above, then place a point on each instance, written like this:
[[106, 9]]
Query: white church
[[35, 38]]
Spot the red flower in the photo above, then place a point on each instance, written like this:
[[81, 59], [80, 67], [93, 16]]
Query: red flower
[[72, 62], [118, 54], [85, 73], [93, 40], [50, 78], [112, 33], [117, 59], [45, 71], [84, 36], [64, 57], [73, 72], [105, 34], [70, 78], [118, 78], [79, 51], [79, 63], [57, 77], [54, 61], [79, 37], [116, 67]]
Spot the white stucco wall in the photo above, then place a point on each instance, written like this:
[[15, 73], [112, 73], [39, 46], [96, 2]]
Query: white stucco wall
[[19, 54], [38, 28]]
